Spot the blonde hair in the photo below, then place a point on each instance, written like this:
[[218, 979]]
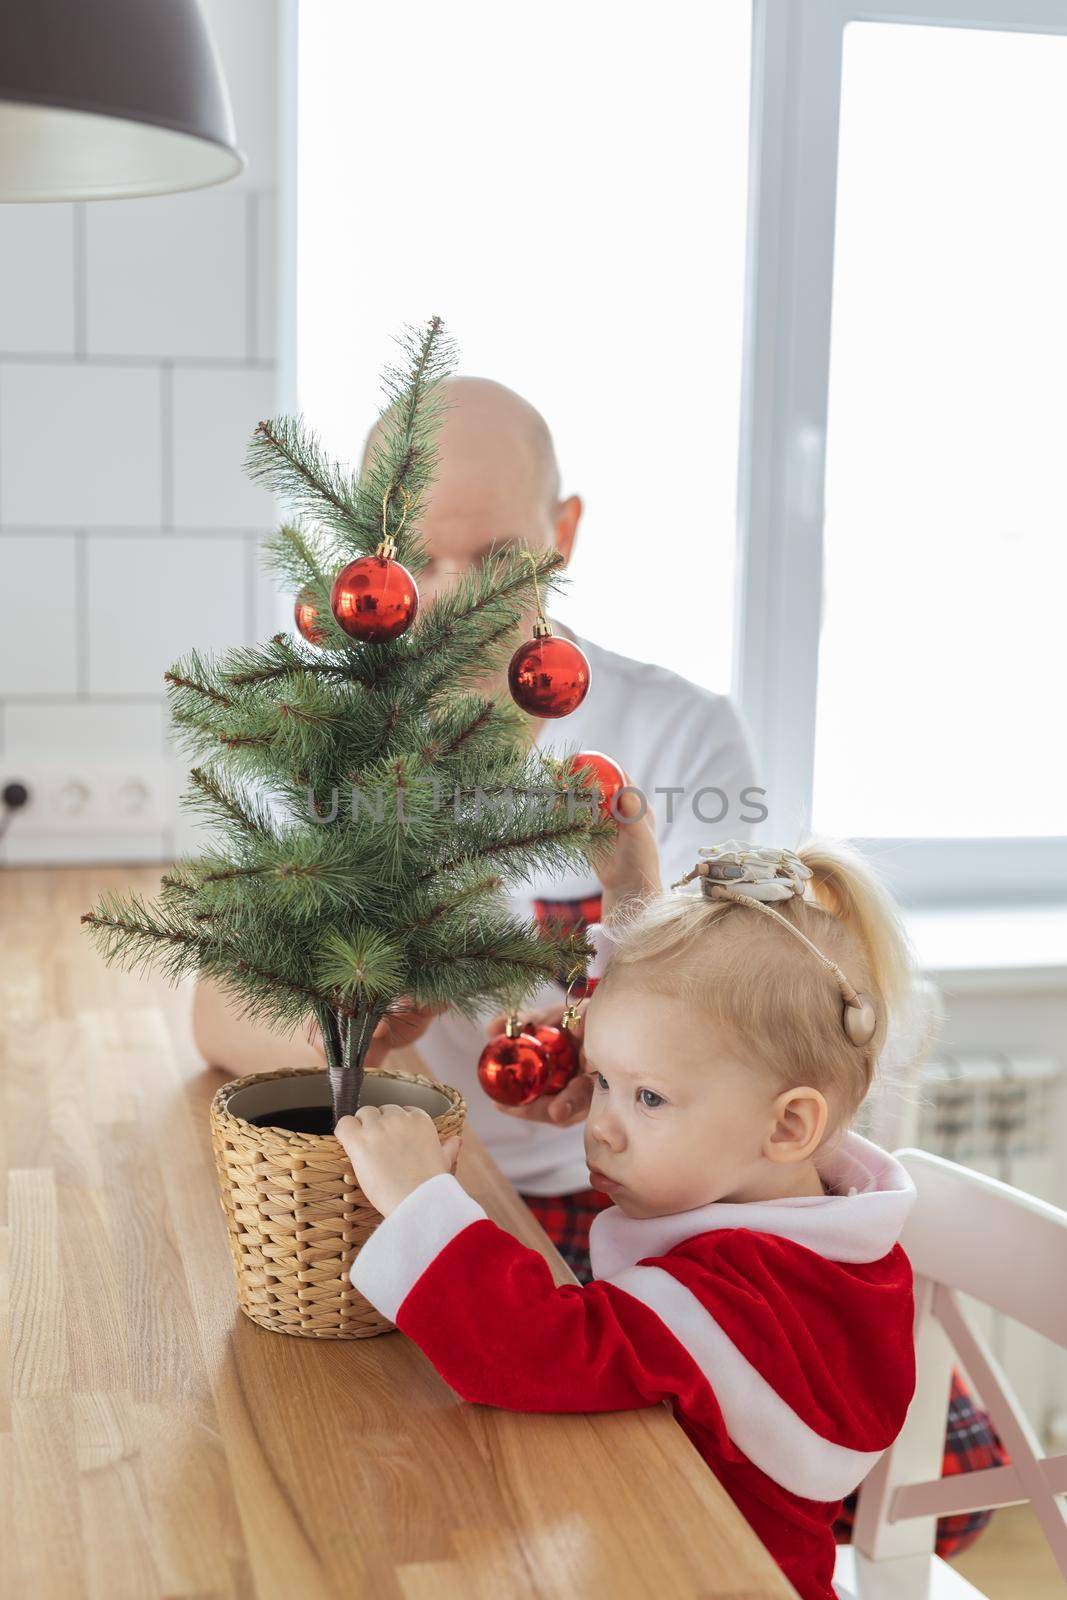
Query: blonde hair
[[755, 980]]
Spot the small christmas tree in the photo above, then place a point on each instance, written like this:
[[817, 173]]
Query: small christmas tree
[[373, 801]]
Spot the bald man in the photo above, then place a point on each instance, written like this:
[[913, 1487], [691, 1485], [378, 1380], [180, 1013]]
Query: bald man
[[684, 747]]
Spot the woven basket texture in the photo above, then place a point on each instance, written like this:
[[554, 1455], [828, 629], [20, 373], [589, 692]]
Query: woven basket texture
[[296, 1218]]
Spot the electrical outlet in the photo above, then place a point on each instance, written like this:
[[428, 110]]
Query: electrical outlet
[[86, 798]]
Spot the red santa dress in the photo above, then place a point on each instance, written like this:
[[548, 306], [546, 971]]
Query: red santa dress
[[780, 1331]]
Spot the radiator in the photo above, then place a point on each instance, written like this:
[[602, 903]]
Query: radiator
[[1003, 1115]]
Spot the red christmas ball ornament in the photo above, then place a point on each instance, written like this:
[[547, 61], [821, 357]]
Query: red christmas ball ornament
[[374, 599], [305, 615], [608, 776], [549, 676], [512, 1068], [560, 1053]]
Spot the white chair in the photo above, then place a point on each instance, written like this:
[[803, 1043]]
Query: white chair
[[967, 1234]]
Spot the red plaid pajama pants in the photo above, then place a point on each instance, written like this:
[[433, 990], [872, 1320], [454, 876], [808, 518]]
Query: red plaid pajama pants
[[971, 1442]]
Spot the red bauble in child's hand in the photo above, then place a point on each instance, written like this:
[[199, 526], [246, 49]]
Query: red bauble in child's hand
[[608, 776], [560, 1053], [512, 1069]]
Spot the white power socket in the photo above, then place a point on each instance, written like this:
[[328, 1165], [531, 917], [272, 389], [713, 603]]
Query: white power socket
[[82, 798]]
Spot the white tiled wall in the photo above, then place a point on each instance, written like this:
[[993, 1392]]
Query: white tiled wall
[[179, 605], [210, 428], [138, 350], [80, 445], [135, 254], [37, 308]]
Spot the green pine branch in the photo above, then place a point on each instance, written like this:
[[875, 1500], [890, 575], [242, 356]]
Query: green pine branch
[[289, 461], [225, 803], [370, 806]]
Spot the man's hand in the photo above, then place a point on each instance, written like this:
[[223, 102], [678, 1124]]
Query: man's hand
[[392, 1150], [403, 1025], [571, 1104], [633, 866]]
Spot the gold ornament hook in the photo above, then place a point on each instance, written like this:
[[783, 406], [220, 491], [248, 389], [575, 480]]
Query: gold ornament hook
[[570, 1008], [541, 629], [386, 550]]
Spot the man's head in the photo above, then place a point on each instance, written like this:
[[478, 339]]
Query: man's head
[[497, 480]]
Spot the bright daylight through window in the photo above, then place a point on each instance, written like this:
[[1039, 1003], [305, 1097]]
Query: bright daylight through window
[[941, 671], [578, 219]]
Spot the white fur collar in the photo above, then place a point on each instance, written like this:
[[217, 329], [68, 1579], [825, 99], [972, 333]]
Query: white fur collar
[[861, 1221]]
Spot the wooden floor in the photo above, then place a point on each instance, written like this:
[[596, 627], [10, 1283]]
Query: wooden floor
[[1011, 1561]]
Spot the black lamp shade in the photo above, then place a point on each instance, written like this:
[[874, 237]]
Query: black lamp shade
[[109, 99]]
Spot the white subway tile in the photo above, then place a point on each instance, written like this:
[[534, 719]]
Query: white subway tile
[[84, 729], [274, 606], [38, 593], [37, 306], [266, 269], [79, 445], [152, 600], [192, 834], [214, 417], [166, 276]]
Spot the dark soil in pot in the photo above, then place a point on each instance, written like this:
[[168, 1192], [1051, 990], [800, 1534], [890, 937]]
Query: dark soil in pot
[[297, 1119]]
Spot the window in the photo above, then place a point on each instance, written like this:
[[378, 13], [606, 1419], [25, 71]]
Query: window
[[801, 224], [566, 187], [899, 653], [946, 501]]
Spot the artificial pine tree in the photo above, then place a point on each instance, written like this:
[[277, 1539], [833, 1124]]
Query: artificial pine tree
[[373, 801]]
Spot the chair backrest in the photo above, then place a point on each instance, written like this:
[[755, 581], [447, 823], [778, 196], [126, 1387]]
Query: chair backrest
[[984, 1238], [969, 1234]]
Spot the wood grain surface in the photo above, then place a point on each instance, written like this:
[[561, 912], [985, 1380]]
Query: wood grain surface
[[155, 1442]]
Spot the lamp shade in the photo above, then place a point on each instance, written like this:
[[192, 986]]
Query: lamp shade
[[109, 99]]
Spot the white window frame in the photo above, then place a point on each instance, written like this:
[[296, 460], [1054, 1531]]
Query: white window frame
[[795, 109]]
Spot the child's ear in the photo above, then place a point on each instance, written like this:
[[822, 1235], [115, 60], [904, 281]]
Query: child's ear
[[799, 1121]]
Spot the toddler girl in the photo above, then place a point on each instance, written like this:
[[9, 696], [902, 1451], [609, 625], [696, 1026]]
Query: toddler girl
[[748, 1270]]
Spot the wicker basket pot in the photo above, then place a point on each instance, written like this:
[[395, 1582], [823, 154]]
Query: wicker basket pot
[[295, 1216]]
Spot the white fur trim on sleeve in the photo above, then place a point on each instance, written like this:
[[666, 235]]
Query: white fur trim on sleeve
[[402, 1246], [758, 1420]]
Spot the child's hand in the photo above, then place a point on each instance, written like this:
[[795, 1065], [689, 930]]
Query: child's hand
[[633, 866], [392, 1150]]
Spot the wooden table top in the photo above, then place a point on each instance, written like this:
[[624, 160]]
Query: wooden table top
[[154, 1441]]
